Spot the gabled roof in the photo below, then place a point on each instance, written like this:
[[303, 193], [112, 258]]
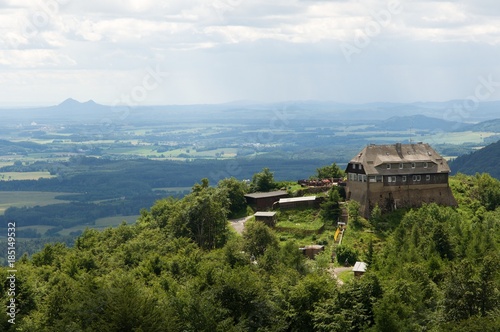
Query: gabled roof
[[359, 267], [373, 157]]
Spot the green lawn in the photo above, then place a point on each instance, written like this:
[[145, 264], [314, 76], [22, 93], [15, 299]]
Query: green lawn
[[297, 220], [28, 198], [346, 276], [310, 226]]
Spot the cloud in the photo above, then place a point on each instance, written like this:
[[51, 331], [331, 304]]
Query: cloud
[[221, 50]]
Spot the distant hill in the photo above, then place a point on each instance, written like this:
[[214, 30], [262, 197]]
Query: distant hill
[[490, 125], [401, 123], [73, 107], [485, 160]]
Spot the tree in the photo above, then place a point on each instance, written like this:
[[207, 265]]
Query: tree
[[488, 190], [353, 212], [235, 191], [330, 209], [329, 172], [346, 254], [263, 181], [376, 215], [200, 216], [258, 238], [203, 217]]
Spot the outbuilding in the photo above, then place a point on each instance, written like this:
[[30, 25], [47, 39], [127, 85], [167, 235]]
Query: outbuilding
[[265, 201], [298, 202], [269, 218], [312, 250], [359, 269]]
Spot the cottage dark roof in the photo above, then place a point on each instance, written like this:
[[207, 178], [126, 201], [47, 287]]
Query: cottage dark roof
[[264, 214], [373, 157], [268, 194]]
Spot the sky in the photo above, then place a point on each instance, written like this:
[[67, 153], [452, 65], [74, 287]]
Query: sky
[[145, 52]]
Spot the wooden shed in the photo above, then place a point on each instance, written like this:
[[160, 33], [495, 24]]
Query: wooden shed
[[265, 201], [359, 269], [312, 250], [269, 218]]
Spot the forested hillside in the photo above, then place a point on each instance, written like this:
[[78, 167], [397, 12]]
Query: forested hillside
[[485, 160], [181, 268]]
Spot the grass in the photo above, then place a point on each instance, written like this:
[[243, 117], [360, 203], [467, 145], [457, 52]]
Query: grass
[[296, 224], [28, 198], [309, 226], [11, 176], [359, 239], [346, 276]]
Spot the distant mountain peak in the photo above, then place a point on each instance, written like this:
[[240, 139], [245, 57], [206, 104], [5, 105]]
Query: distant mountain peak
[[74, 102], [73, 105], [69, 102]]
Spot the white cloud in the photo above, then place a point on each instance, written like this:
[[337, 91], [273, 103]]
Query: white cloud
[[242, 49]]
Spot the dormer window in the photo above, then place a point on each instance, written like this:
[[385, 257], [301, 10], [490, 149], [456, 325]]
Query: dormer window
[[401, 166], [413, 165], [388, 166]]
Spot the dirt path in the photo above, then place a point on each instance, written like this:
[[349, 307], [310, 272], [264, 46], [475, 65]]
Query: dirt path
[[336, 271], [239, 224]]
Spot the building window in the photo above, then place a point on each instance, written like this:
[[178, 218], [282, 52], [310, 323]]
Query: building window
[[413, 165], [372, 179], [404, 178], [426, 165], [360, 177], [427, 178], [391, 179], [360, 166], [401, 166], [379, 178], [388, 166], [416, 178]]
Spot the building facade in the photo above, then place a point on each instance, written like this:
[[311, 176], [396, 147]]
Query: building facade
[[398, 176]]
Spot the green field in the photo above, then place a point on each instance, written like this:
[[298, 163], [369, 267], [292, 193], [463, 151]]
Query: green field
[[12, 176], [28, 198], [174, 189], [100, 224]]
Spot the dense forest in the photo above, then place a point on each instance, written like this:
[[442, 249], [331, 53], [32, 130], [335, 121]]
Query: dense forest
[[483, 160], [103, 188], [182, 268]]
